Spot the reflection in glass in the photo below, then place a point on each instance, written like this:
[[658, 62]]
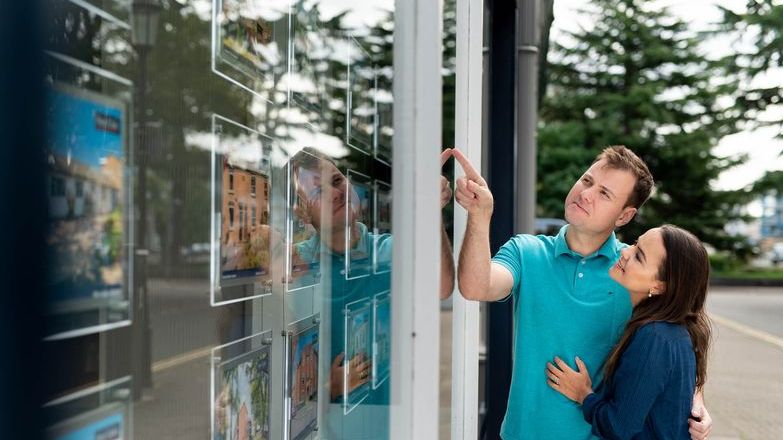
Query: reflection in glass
[[86, 158], [304, 215], [382, 223], [241, 189], [356, 409], [361, 99], [251, 42], [357, 352], [359, 219], [309, 52], [381, 339], [100, 412]]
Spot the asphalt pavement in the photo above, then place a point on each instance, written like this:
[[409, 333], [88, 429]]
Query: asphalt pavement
[[745, 372]]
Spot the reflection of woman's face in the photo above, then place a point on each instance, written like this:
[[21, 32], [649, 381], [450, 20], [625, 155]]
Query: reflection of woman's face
[[323, 189]]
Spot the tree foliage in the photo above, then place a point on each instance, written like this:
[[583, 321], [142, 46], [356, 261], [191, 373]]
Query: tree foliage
[[638, 78]]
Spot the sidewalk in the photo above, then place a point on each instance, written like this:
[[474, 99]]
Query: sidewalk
[[744, 391]]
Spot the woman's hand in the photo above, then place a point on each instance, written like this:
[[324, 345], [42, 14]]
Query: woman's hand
[[576, 385]]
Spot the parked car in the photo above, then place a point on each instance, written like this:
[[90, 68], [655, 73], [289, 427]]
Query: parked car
[[776, 254]]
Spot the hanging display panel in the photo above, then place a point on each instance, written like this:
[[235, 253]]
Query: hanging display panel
[[241, 389], [100, 412], [361, 99], [88, 191], [357, 351], [306, 81], [382, 223], [358, 222], [302, 240], [250, 44], [302, 348], [241, 234], [381, 338]]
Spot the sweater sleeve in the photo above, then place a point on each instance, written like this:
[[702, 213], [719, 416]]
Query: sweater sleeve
[[639, 379]]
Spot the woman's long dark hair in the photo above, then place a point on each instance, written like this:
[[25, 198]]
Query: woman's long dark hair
[[685, 272]]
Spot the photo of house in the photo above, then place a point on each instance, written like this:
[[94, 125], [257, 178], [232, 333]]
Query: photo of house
[[85, 161]]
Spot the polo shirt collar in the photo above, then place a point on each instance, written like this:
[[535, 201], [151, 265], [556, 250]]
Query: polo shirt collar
[[608, 249]]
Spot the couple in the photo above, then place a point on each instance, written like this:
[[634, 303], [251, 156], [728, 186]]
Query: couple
[[589, 309]]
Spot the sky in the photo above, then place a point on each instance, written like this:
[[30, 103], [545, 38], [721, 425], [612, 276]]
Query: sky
[[761, 146]]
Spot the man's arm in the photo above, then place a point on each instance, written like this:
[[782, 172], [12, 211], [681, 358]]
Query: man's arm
[[700, 425], [479, 279]]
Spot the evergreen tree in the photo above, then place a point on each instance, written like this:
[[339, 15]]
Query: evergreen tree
[[638, 78], [757, 52]]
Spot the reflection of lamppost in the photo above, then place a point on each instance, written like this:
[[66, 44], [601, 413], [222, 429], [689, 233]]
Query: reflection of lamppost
[[145, 15]]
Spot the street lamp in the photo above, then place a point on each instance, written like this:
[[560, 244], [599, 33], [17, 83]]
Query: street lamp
[[145, 16]]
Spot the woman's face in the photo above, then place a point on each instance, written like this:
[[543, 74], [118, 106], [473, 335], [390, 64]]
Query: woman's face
[[637, 268]]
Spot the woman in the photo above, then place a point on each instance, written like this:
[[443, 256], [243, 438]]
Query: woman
[[650, 376]]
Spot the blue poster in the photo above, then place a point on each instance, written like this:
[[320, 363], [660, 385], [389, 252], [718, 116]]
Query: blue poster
[[108, 428], [85, 159]]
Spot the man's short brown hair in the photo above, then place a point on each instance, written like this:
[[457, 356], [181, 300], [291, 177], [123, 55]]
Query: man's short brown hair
[[619, 157]]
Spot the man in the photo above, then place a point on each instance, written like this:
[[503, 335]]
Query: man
[[327, 200], [565, 303]]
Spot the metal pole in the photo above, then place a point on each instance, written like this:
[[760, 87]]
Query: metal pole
[[141, 332], [501, 178], [527, 112]]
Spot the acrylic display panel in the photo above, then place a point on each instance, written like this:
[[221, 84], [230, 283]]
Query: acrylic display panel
[[384, 106], [381, 338], [241, 389], [101, 412], [383, 225], [241, 234], [88, 280], [359, 216], [250, 43], [302, 347], [302, 242], [356, 384], [309, 61], [361, 112]]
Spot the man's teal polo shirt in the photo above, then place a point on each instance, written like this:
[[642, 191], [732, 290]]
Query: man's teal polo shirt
[[565, 305]]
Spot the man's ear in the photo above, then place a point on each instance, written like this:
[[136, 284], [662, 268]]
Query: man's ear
[[625, 216]]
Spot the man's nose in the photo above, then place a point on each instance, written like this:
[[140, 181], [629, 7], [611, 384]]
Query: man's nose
[[587, 194]]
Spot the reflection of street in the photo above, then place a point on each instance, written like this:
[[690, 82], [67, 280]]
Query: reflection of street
[[745, 377], [181, 317], [305, 416]]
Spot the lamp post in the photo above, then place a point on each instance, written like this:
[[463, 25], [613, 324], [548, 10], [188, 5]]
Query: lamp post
[[145, 16]]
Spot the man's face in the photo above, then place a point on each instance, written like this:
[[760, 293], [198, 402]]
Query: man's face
[[596, 202], [323, 188]]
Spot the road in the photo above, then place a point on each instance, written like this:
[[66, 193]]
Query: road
[[745, 369]]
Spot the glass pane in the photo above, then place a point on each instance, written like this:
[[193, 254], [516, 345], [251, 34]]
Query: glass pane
[[220, 241]]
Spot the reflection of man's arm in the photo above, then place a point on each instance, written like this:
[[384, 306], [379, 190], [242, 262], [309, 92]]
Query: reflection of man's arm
[[446, 252], [446, 265]]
